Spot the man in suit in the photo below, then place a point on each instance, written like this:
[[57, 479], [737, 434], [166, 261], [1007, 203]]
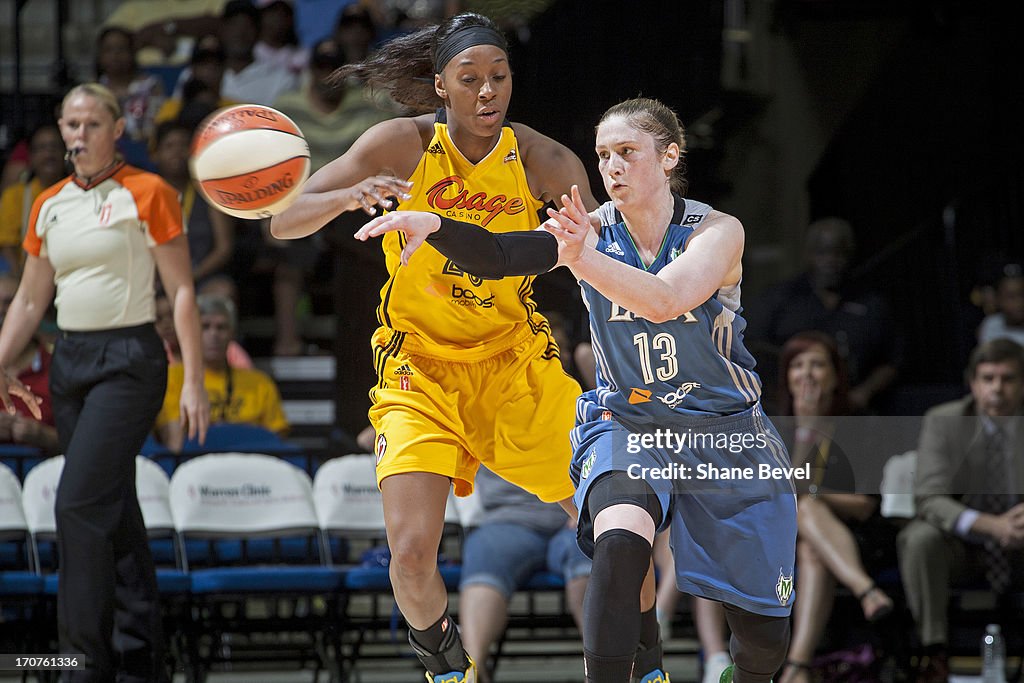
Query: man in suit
[[969, 489]]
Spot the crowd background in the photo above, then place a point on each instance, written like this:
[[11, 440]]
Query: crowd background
[[871, 150]]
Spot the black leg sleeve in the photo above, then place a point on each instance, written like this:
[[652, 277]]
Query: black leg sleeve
[[611, 609], [758, 644]]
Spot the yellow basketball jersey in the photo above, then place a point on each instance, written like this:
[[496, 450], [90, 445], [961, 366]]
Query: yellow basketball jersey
[[441, 311]]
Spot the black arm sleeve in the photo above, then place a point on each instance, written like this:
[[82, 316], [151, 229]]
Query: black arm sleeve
[[493, 256]]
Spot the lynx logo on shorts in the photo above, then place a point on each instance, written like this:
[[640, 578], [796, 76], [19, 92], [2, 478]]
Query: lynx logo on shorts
[[588, 464], [381, 448], [784, 588]]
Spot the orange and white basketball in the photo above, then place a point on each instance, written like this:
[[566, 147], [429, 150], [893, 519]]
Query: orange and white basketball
[[249, 160]]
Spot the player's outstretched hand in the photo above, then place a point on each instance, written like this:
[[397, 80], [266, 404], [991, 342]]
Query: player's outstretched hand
[[570, 225], [417, 226], [374, 191]]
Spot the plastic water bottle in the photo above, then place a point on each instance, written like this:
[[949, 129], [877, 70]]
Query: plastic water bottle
[[993, 656]]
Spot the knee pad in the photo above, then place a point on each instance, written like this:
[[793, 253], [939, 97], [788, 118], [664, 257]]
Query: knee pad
[[610, 489]]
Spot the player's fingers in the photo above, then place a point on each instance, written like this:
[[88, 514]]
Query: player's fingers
[[366, 204], [378, 226], [396, 187], [570, 207], [564, 222]]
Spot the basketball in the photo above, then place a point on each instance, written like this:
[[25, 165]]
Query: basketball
[[249, 160]]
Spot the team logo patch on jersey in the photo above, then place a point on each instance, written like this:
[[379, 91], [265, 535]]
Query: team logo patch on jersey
[[588, 464], [436, 148], [784, 588], [614, 248], [676, 397], [692, 218], [639, 396], [675, 253], [381, 448], [511, 156]]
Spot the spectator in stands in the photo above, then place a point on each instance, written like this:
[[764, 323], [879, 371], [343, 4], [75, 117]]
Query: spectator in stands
[[278, 43], [46, 165], [166, 30], [968, 490], [236, 395], [1008, 320], [355, 33], [246, 78], [331, 115], [32, 368], [834, 522], [821, 298], [708, 615], [211, 233], [208, 64], [141, 95], [15, 165], [238, 357], [516, 537]]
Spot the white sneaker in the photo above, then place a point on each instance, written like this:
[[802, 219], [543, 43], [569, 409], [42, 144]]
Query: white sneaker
[[714, 666]]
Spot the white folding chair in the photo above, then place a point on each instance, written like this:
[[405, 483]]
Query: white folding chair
[[265, 504], [897, 486], [38, 496]]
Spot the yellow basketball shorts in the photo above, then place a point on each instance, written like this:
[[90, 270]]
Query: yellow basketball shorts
[[512, 412]]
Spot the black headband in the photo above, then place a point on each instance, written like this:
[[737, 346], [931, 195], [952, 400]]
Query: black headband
[[463, 39]]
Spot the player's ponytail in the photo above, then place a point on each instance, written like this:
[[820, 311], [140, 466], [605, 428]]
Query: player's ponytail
[[404, 66]]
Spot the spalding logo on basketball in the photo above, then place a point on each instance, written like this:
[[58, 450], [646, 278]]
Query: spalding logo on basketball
[[249, 160]]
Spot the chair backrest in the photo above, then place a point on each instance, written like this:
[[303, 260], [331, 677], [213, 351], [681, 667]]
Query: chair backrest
[[224, 495], [12, 516], [153, 487], [346, 496], [38, 495], [897, 487], [235, 437]]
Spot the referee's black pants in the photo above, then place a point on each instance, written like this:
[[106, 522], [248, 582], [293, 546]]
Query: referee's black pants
[[107, 387]]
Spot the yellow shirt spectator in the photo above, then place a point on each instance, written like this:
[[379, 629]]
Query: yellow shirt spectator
[[13, 212], [236, 396]]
